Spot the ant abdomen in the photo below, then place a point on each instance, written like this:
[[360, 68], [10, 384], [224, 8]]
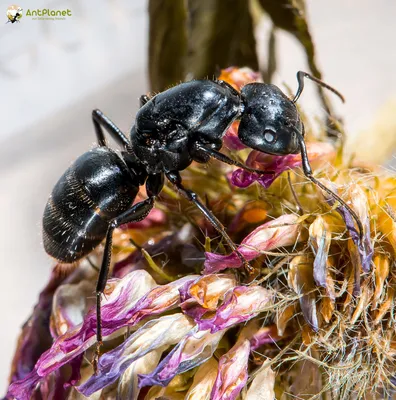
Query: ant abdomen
[[96, 188]]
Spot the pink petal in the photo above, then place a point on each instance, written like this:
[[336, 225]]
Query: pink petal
[[128, 301], [155, 334], [233, 372], [193, 350], [280, 232], [240, 304], [206, 292], [265, 335], [279, 164], [231, 140]]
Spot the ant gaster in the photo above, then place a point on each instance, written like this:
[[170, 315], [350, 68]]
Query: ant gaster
[[183, 124]]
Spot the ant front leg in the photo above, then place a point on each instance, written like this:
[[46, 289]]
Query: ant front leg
[[308, 173], [175, 178], [138, 212], [100, 120], [223, 158]]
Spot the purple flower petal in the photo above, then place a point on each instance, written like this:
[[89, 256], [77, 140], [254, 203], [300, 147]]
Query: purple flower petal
[[233, 372], [75, 366], [265, 335], [259, 335], [22, 389], [128, 301], [242, 179], [164, 331], [52, 387], [240, 304], [279, 164], [118, 308], [192, 351], [231, 139], [35, 338], [280, 232]]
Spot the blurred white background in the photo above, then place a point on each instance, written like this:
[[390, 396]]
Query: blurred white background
[[53, 73]]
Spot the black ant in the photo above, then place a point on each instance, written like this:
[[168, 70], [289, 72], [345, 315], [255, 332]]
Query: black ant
[[183, 124]]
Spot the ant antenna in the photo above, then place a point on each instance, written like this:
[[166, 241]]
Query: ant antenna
[[308, 173], [300, 78]]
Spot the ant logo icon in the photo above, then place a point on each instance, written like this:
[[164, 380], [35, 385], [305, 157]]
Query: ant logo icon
[[14, 14]]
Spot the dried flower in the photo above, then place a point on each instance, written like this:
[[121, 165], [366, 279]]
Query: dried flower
[[181, 322]]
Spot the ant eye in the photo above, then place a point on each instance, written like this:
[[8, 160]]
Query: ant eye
[[269, 135]]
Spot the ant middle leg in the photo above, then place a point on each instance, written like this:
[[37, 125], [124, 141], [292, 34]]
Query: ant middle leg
[[175, 178]]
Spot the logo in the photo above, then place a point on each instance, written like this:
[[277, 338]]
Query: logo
[[14, 14]]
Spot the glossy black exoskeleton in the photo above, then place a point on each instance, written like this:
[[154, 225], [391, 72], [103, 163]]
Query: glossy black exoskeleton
[[185, 123]]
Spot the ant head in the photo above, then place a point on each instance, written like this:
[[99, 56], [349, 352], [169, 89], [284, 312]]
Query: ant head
[[269, 120]]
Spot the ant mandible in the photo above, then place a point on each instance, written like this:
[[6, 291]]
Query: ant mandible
[[183, 124]]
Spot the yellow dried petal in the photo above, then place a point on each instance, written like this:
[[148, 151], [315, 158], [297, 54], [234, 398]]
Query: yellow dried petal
[[387, 226], [307, 335], [300, 276], [283, 318], [327, 309], [362, 303], [301, 280], [385, 306], [381, 272], [359, 202], [350, 277]]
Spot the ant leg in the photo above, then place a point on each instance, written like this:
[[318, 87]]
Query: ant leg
[[300, 78], [308, 173], [144, 99], [223, 158], [154, 184], [136, 213], [100, 120], [175, 178]]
